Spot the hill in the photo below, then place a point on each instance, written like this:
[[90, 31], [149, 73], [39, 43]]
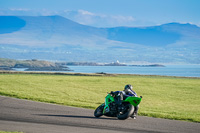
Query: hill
[[31, 65], [156, 35], [58, 38]]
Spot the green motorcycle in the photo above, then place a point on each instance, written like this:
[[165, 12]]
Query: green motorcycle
[[110, 108]]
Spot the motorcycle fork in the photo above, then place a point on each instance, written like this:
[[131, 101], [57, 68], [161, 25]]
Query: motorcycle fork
[[108, 100]]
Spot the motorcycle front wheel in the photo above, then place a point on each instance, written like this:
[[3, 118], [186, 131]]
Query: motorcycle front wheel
[[99, 111]]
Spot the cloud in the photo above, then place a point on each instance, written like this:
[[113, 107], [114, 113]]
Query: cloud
[[100, 20], [19, 9], [83, 12], [18, 12], [90, 18], [80, 16], [123, 18]]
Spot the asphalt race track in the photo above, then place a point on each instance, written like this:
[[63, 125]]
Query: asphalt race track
[[36, 117]]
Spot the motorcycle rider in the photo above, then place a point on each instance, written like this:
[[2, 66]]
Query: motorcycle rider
[[122, 95]]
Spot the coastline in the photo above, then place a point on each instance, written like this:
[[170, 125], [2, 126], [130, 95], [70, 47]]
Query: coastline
[[87, 74]]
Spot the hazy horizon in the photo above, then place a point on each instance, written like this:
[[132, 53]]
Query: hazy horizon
[[112, 13]]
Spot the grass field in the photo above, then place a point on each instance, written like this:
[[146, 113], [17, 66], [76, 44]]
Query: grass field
[[9, 132], [163, 97]]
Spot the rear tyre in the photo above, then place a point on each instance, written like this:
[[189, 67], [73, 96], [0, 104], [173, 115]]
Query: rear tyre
[[99, 111], [127, 113]]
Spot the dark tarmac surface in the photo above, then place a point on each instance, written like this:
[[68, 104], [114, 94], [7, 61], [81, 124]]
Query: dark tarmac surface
[[36, 117]]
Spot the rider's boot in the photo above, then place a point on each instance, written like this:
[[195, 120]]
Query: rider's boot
[[134, 115]]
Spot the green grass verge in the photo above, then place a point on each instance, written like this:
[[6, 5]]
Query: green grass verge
[[9, 132], [163, 97]]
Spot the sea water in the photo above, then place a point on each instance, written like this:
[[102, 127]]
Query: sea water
[[168, 70]]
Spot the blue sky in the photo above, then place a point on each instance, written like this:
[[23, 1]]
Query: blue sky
[[109, 13]]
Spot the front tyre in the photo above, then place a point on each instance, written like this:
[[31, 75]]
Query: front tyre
[[127, 113], [99, 111]]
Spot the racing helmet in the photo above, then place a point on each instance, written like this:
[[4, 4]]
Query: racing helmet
[[128, 88]]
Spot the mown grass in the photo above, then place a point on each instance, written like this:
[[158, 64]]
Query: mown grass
[[9, 132], [163, 97]]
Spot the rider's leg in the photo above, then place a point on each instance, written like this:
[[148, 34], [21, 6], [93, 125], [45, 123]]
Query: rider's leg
[[135, 112]]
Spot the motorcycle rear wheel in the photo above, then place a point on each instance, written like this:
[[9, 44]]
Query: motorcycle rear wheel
[[127, 114]]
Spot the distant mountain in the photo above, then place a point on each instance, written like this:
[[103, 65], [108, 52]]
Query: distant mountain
[[155, 35], [58, 38], [45, 31]]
